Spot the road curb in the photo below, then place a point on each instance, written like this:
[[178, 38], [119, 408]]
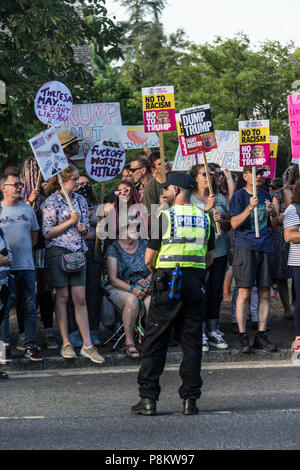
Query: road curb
[[173, 357]]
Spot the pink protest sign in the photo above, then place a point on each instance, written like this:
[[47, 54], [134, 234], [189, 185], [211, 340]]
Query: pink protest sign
[[270, 170], [294, 118]]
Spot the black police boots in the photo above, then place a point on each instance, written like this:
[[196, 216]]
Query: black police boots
[[189, 407], [145, 406]]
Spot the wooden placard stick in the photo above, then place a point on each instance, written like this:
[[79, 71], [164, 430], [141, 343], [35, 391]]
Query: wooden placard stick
[[219, 232], [162, 157], [255, 208], [37, 186], [68, 199]]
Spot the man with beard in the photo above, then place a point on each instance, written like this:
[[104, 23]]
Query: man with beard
[[185, 242], [19, 223]]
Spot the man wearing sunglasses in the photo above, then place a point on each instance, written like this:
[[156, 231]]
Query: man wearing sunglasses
[[140, 173], [19, 222]]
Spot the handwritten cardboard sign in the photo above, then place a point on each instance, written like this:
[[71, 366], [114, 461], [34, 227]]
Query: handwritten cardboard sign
[[53, 103], [48, 153], [88, 121], [105, 161]]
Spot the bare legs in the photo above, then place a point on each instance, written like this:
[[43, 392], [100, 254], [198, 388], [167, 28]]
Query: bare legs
[[81, 314]]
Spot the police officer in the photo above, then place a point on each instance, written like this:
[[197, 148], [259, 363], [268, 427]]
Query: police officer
[[186, 238]]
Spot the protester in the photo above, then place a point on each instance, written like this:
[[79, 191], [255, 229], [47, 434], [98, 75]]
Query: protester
[[252, 258], [153, 192], [141, 173], [291, 222], [93, 269], [69, 143], [218, 208], [20, 226], [64, 231], [5, 262], [126, 175], [34, 197], [129, 280], [281, 271], [173, 247], [126, 206]]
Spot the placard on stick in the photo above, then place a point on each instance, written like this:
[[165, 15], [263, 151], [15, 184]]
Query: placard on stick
[[48, 153], [105, 161], [198, 129], [53, 103]]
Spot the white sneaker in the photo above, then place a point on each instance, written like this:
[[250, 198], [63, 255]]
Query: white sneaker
[[205, 347], [92, 354], [217, 341]]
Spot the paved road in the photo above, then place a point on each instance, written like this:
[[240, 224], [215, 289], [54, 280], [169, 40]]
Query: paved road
[[243, 406]]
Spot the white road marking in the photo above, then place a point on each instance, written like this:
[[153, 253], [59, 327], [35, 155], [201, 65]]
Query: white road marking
[[135, 369], [22, 417]]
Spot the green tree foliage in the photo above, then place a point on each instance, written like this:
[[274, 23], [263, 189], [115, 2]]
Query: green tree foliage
[[36, 45]]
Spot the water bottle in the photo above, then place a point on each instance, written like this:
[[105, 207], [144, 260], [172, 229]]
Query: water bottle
[[175, 283]]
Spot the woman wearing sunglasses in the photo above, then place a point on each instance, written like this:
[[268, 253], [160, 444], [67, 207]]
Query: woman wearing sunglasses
[[64, 232], [217, 270], [126, 207]]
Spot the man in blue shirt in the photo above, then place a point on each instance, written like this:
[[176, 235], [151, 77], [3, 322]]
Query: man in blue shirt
[[251, 263]]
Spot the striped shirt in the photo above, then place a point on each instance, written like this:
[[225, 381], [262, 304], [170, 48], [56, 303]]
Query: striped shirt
[[290, 219]]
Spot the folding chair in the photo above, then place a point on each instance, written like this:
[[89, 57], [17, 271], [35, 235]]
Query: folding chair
[[120, 333]]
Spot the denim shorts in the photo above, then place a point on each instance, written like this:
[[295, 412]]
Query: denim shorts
[[61, 278]]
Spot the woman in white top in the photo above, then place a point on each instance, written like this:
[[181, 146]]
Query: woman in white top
[[291, 224]]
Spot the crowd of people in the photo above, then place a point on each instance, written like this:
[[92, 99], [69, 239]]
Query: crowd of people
[[39, 235]]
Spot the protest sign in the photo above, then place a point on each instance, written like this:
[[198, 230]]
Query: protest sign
[[53, 103], [270, 170], [105, 161], [294, 119], [198, 129], [181, 139], [159, 109], [48, 153], [131, 137], [254, 143], [87, 122], [227, 155]]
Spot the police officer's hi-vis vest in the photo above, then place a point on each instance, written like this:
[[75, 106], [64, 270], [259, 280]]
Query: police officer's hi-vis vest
[[185, 240]]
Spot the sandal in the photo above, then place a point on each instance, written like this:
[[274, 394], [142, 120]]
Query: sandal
[[3, 375], [132, 354]]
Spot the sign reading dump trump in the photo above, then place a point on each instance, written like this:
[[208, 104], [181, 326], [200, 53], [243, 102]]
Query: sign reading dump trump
[[198, 129], [159, 109], [49, 153], [53, 103], [105, 160], [254, 143]]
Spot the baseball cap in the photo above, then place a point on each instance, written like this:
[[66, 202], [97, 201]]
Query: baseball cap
[[183, 180]]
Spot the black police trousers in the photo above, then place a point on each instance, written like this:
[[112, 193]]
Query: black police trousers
[[186, 316]]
